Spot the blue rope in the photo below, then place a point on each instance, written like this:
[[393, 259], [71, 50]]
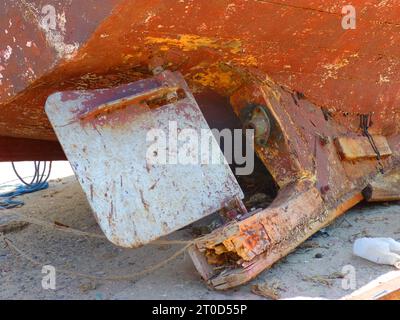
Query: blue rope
[[7, 199]]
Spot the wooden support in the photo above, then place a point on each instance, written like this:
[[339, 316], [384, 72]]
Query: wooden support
[[250, 246], [248, 238], [384, 188], [354, 148]]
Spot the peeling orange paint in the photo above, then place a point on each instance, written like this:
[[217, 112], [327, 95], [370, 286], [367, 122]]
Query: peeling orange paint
[[189, 42]]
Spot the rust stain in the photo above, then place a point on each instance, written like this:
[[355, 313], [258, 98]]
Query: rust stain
[[192, 42]]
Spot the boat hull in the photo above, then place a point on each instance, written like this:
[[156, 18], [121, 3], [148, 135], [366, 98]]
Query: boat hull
[[217, 45]]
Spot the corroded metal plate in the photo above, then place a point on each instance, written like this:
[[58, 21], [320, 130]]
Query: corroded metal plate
[[104, 134]]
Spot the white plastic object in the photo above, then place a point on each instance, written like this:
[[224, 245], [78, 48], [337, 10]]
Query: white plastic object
[[378, 250]]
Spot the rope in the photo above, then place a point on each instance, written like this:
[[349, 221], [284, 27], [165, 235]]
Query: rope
[[131, 276], [7, 199], [46, 224], [77, 232], [37, 184], [51, 225]]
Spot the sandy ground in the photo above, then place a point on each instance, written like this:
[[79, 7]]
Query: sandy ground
[[313, 270]]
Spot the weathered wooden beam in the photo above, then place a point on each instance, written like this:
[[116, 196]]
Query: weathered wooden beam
[[384, 188], [252, 236], [354, 148], [248, 271], [250, 246]]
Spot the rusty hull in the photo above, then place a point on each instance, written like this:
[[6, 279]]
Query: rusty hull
[[215, 44], [293, 58], [317, 184]]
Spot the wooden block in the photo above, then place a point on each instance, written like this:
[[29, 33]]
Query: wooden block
[[384, 187], [248, 271], [253, 235], [354, 148], [265, 237]]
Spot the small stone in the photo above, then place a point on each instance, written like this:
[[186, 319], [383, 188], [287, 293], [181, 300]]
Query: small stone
[[318, 256]]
